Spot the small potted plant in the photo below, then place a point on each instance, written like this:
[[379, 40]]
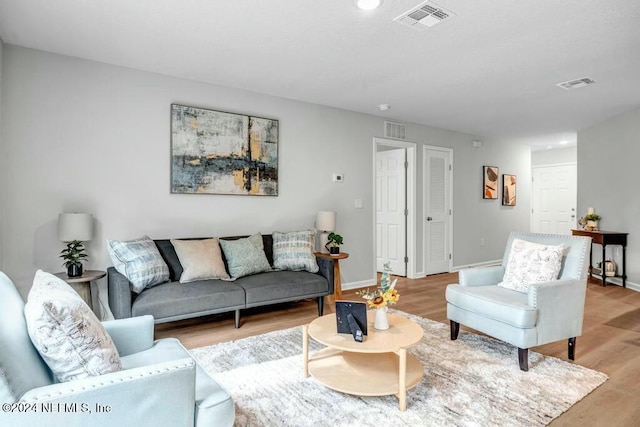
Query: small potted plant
[[334, 241], [73, 256], [592, 221]]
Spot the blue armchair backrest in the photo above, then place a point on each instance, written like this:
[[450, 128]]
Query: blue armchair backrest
[[21, 367], [574, 262]]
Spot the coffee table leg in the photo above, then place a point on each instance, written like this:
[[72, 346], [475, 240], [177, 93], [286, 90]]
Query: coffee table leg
[[402, 379], [305, 350]]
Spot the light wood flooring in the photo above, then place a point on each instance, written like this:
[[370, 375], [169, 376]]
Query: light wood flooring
[[610, 342]]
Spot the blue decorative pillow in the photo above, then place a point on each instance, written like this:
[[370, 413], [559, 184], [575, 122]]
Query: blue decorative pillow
[[294, 251], [245, 256], [139, 261]]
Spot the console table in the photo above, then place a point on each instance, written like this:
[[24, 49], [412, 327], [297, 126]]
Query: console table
[[604, 238]]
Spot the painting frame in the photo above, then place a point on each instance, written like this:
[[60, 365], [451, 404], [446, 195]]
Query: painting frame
[[490, 182], [222, 153], [509, 189]]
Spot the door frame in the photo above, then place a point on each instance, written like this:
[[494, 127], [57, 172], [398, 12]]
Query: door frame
[[410, 200], [449, 235], [549, 165]]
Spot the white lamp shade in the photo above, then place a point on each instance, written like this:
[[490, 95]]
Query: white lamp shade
[[326, 221], [75, 226]]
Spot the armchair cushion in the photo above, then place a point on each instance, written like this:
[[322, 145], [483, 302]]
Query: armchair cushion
[[494, 302], [531, 262], [66, 333]]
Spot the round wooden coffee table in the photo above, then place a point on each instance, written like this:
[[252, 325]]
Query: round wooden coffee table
[[379, 366]]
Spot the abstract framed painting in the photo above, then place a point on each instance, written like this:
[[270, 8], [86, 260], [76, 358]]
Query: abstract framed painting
[[508, 190], [215, 152], [490, 182]]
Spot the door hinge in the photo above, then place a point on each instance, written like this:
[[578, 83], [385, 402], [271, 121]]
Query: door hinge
[[406, 212], [406, 259], [406, 165], [449, 167], [449, 211], [449, 256]]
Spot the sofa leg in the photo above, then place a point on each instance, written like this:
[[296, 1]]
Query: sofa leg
[[237, 318], [320, 306], [455, 329], [523, 358], [572, 348]]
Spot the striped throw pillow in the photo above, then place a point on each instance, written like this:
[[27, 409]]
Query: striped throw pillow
[[139, 261], [294, 251]]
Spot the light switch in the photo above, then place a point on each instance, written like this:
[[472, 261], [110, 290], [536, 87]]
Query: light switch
[[358, 203], [338, 177]]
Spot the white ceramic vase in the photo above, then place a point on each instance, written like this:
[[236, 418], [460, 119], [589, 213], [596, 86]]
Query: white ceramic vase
[[381, 321]]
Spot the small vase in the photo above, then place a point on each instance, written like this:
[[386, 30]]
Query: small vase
[[74, 270], [609, 268], [381, 321]]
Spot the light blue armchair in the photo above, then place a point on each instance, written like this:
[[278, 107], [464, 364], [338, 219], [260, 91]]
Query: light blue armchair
[[550, 311], [160, 384]]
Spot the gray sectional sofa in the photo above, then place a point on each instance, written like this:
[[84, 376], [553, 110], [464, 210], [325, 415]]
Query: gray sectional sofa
[[173, 300]]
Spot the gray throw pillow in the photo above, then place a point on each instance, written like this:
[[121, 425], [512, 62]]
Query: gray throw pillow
[[139, 261], [294, 251], [245, 256]]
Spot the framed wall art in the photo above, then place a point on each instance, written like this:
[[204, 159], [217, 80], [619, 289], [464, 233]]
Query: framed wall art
[[508, 190], [490, 182], [214, 152]]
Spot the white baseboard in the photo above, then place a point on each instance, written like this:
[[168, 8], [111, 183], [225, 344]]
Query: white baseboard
[[479, 264], [360, 284], [617, 281]]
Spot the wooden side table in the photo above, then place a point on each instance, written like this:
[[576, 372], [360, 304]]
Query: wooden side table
[[337, 291], [82, 284], [604, 238]]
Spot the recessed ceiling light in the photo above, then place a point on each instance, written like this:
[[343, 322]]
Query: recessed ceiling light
[[368, 4], [549, 147], [384, 107], [563, 142]]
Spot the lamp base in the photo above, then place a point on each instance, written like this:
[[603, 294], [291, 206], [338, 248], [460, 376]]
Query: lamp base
[[324, 238]]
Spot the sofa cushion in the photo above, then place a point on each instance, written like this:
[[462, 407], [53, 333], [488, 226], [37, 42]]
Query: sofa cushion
[[294, 251], [175, 300], [277, 286], [494, 302], [245, 256], [200, 259], [531, 262], [69, 337], [139, 261]]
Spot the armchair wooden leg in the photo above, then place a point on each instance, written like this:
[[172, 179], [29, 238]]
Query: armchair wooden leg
[[572, 348], [455, 329], [523, 358], [320, 306], [237, 319]]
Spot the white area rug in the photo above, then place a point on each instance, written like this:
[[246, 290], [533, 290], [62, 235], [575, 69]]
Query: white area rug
[[473, 381]]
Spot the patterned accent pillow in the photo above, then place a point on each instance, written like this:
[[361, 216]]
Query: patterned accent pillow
[[200, 259], [294, 251], [531, 263], [139, 261], [245, 256], [69, 337]]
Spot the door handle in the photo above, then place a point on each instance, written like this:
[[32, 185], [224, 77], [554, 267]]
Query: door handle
[[429, 218]]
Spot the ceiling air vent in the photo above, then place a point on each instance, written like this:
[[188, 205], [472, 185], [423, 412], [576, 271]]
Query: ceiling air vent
[[424, 16], [395, 130], [575, 84]]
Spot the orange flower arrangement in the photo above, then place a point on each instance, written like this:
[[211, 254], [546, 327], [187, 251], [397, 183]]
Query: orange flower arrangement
[[386, 295]]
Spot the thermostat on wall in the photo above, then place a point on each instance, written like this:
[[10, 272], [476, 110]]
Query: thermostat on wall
[[338, 177]]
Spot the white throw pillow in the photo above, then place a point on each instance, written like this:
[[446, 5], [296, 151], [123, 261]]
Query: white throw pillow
[[200, 260], [139, 261], [531, 263], [294, 251], [66, 333]]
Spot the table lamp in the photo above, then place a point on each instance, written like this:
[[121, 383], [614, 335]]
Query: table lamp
[[74, 228], [325, 223]]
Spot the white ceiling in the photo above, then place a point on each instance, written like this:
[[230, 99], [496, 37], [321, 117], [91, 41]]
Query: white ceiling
[[490, 71]]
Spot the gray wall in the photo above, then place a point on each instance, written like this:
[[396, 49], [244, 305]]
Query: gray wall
[[608, 156], [553, 156], [88, 137]]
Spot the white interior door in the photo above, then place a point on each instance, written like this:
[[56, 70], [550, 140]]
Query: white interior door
[[554, 199], [391, 210], [437, 210]]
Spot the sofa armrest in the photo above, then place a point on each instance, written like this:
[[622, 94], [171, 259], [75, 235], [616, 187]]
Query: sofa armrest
[[131, 335], [326, 270], [481, 276], [159, 394], [560, 305], [119, 294]]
